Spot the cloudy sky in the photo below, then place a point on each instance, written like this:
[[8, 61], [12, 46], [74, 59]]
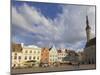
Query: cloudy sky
[[44, 24]]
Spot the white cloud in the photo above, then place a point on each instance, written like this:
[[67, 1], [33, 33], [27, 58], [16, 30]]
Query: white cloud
[[67, 29], [72, 21]]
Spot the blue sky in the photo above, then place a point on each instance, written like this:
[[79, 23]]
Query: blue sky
[[44, 23], [43, 7]]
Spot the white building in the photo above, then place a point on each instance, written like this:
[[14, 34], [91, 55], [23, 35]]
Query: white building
[[53, 56], [61, 54]]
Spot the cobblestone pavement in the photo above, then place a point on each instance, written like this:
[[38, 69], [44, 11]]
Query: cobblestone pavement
[[52, 69]]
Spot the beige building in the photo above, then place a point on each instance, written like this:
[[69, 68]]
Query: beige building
[[17, 59], [61, 54], [23, 54], [16, 55], [31, 53]]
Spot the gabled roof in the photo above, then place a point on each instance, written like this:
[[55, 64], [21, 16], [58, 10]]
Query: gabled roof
[[52, 48]]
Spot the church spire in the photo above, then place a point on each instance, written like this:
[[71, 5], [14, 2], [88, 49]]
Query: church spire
[[88, 29], [52, 46], [87, 23]]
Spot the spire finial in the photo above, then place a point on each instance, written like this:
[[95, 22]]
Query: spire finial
[[87, 22]]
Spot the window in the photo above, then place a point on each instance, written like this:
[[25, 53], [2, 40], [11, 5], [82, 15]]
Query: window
[[59, 57], [30, 57], [15, 57], [25, 57], [19, 57], [30, 51], [34, 57], [15, 53], [34, 51], [46, 54], [38, 58], [26, 51], [41, 54], [50, 59], [14, 65]]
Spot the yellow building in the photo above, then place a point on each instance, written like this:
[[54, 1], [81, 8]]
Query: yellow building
[[25, 54]]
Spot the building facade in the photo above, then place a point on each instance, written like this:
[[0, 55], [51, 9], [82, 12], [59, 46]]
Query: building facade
[[90, 52], [53, 55], [31, 53], [16, 55], [17, 59], [61, 54], [89, 56], [44, 56], [26, 54]]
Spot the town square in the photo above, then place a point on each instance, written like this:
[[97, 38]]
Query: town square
[[52, 37]]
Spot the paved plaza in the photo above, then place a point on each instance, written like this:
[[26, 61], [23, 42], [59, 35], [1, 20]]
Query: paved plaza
[[50, 69]]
